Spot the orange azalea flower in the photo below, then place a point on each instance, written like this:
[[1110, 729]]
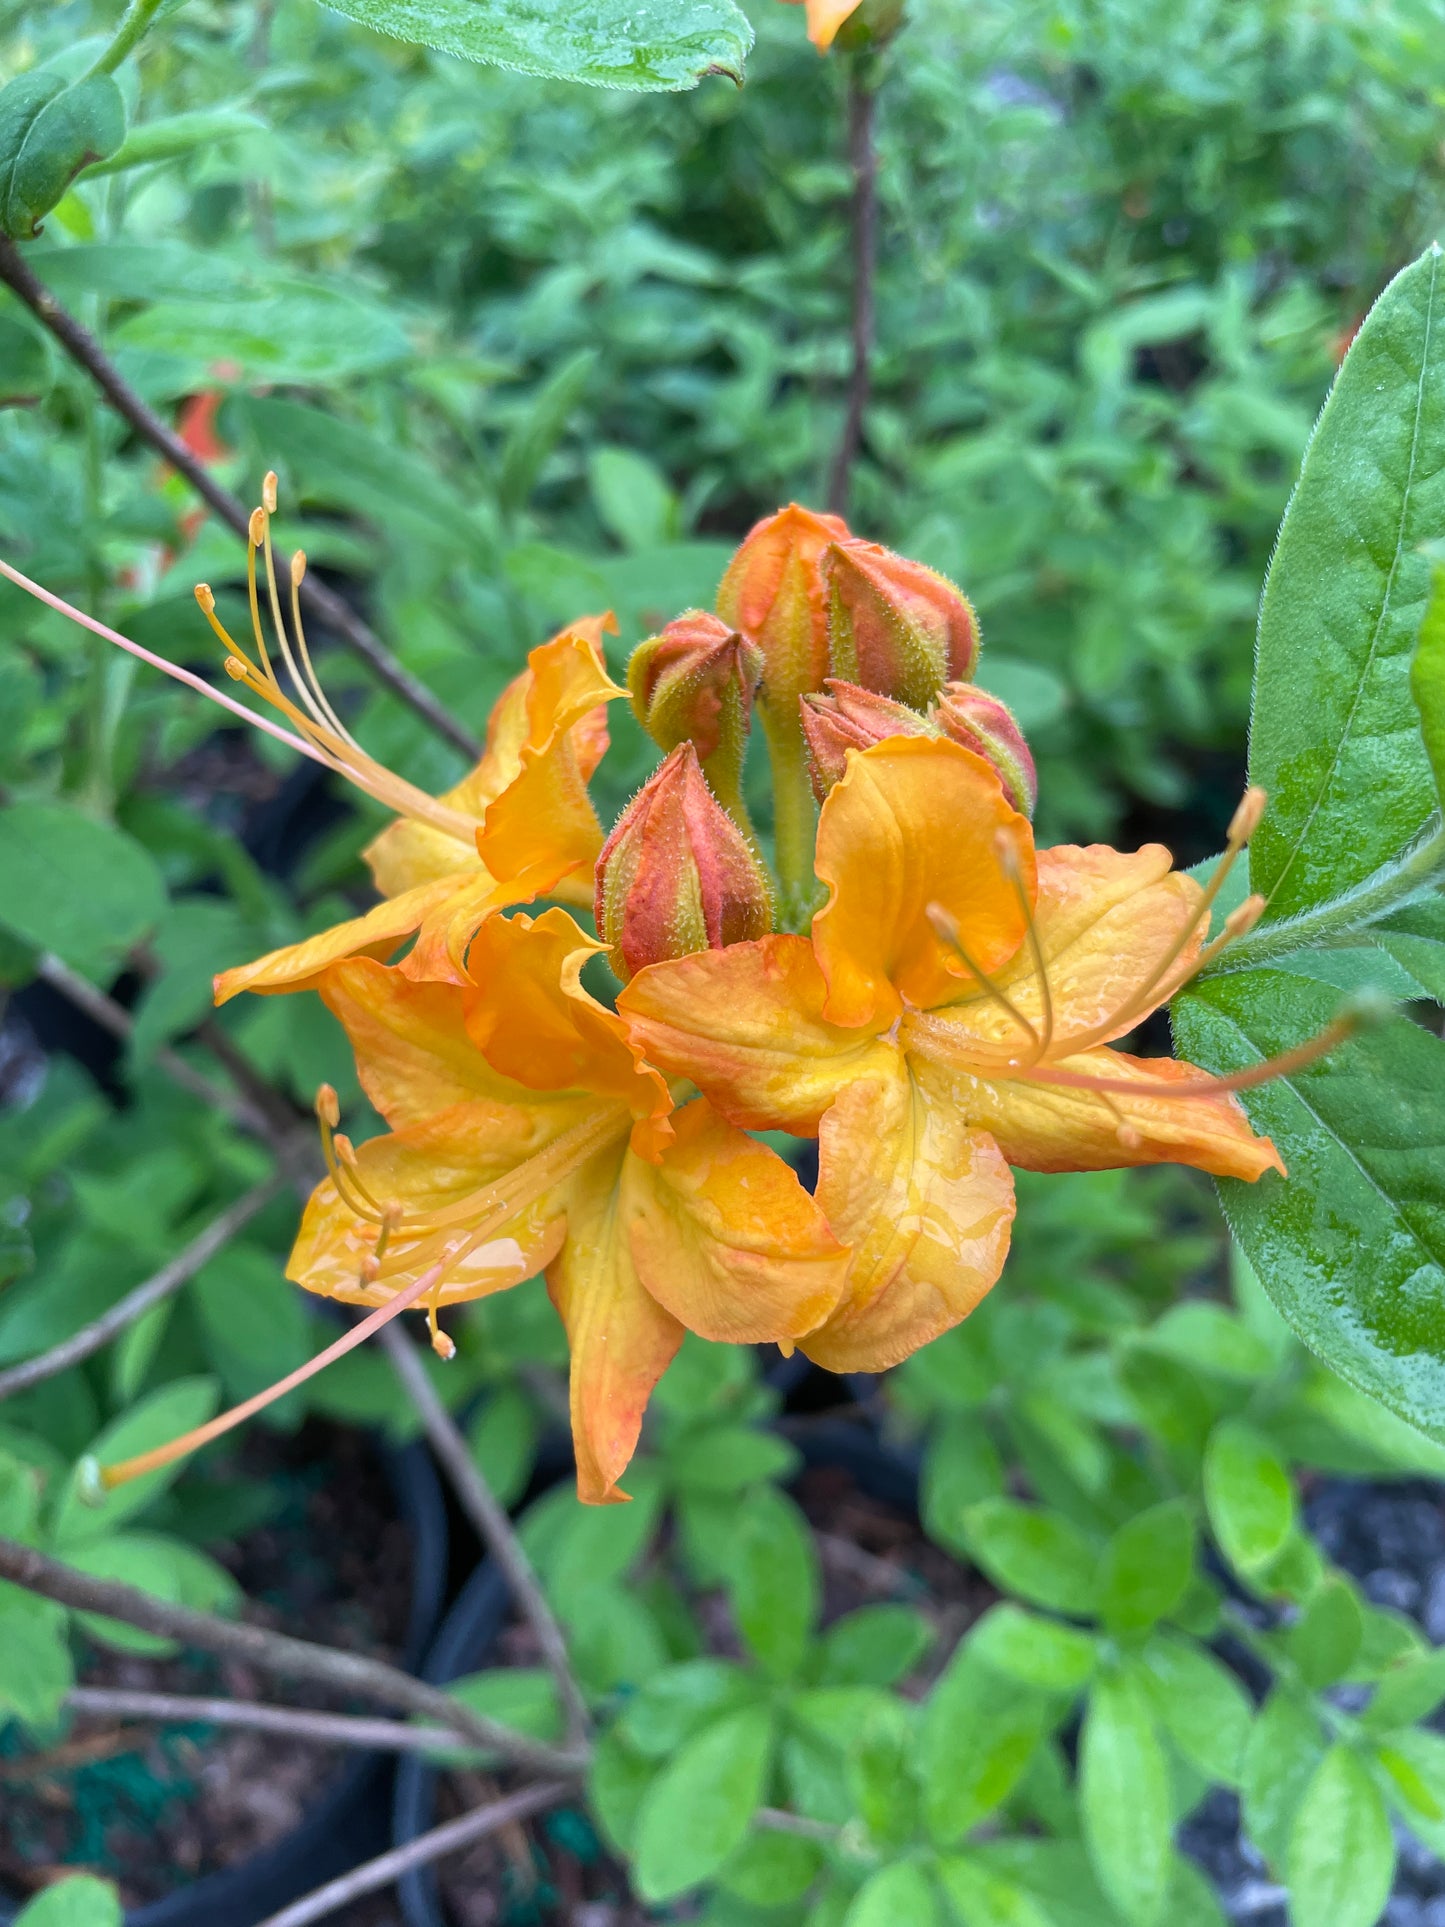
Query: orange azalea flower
[[825, 17], [520, 825], [527, 1134], [947, 1018]]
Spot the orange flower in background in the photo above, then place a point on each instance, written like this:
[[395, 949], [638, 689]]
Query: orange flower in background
[[947, 1018], [518, 826], [825, 17], [527, 1135]]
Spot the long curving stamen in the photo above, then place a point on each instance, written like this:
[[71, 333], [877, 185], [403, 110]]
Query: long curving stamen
[[298, 576], [1009, 863], [946, 929], [1335, 1033], [171, 669]]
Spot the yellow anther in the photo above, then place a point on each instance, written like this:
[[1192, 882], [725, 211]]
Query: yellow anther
[[257, 529], [205, 597], [442, 1345], [328, 1106], [1246, 818], [268, 491], [237, 670], [370, 1269], [1241, 921], [298, 568]]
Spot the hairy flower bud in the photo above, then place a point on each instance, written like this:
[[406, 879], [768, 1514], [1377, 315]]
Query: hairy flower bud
[[677, 874], [852, 718], [773, 593], [695, 682], [895, 626], [980, 722]]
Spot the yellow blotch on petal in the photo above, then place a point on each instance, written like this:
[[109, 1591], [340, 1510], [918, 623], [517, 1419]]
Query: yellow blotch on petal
[[915, 822]]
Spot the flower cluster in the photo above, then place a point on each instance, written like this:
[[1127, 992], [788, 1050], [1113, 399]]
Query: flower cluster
[[910, 980]]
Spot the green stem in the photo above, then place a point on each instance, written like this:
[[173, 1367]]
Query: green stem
[[794, 822], [135, 24], [1385, 890]]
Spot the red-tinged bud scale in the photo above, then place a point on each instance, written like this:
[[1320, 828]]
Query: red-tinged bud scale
[[677, 875], [694, 683], [852, 718], [773, 593], [895, 626], [970, 716]]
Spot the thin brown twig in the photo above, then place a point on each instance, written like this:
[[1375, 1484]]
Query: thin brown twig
[[324, 603], [863, 159], [492, 1522], [274, 1653], [372, 1874], [324, 1729], [171, 1276]]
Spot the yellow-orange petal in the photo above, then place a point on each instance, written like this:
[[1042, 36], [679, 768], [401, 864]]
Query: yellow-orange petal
[[1104, 921], [746, 1025], [825, 17], [378, 934], [927, 1204], [725, 1237], [914, 822], [1044, 1127], [620, 1338], [414, 1056], [529, 1015]]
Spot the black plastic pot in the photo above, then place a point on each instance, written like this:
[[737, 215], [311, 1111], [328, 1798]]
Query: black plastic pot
[[471, 1628], [350, 1821]]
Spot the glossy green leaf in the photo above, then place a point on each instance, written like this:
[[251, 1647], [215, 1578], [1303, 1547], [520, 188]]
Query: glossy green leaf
[[1035, 1554], [35, 1668], [83, 123], [773, 1580], [1352, 1247], [603, 43], [1200, 1704], [75, 886], [1147, 1567], [80, 1900], [677, 1702], [697, 1810], [524, 1697], [874, 1646], [1284, 1752], [1335, 738], [882, 1753], [770, 1869], [979, 1897], [1409, 1690], [1326, 1637], [1248, 1495], [177, 135], [1427, 679], [978, 1733], [1415, 937], [1035, 1651], [617, 1784], [1125, 1799], [152, 1562], [1340, 1864], [898, 1896], [1414, 1765]]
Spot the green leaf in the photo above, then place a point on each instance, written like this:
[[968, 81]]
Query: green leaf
[[1038, 1555], [729, 1458], [632, 497], [79, 1901], [539, 430], [1352, 1247], [1415, 937], [154, 1563], [1147, 1567], [874, 1646], [961, 1469], [75, 886], [178, 135], [770, 1869], [603, 43], [978, 1733], [1335, 738], [1410, 1690], [165, 1415], [1427, 679], [677, 1702], [1284, 1751], [1340, 1865], [81, 124], [981, 1898], [503, 1441], [35, 1668], [616, 1786], [896, 1896], [773, 1581], [1248, 1495], [697, 1810], [1036, 1652], [255, 1324], [881, 1755], [1199, 1703], [1124, 1799], [524, 1697], [22, 101], [1326, 1637], [1415, 1764]]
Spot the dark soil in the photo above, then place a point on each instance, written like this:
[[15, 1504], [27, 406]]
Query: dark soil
[[155, 1808]]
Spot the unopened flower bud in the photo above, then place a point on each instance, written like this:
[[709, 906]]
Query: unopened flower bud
[[677, 874], [694, 683], [773, 593], [971, 717], [852, 718], [894, 625]]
